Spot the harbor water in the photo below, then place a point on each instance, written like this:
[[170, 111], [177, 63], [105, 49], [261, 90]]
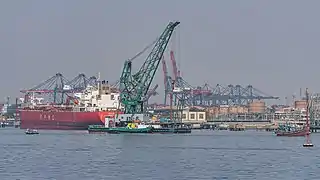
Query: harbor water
[[203, 154]]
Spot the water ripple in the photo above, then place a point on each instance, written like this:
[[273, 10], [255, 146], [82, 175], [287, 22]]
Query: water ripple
[[200, 155]]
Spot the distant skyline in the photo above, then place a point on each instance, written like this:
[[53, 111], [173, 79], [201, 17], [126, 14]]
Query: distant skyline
[[272, 45]]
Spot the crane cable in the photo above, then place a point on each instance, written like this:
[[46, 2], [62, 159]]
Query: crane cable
[[144, 50], [134, 57]]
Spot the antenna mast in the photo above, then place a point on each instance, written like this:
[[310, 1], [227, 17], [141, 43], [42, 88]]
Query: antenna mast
[[308, 140]]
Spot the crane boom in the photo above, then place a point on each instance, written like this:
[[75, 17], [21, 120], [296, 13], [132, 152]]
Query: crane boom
[[134, 88]]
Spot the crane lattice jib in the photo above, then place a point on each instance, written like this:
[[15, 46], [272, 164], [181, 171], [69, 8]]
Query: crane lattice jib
[[134, 88]]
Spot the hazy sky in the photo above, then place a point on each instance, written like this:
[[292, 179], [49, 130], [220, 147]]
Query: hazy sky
[[271, 44]]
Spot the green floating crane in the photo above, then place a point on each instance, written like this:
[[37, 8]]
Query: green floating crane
[[134, 87]]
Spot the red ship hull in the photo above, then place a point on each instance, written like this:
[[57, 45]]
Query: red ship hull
[[62, 120], [294, 133]]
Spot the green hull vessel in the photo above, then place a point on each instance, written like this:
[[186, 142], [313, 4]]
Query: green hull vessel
[[118, 130], [97, 129], [102, 129]]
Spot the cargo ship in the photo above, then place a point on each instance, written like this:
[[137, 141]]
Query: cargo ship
[[90, 107]]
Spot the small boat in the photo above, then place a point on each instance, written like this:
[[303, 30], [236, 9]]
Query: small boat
[[302, 132], [291, 130], [31, 131], [171, 128]]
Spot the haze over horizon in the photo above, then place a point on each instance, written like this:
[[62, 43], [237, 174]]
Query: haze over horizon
[[272, 45]]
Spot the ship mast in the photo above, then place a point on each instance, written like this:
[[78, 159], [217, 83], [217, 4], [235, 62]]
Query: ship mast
[[98, 80], [308, 142]]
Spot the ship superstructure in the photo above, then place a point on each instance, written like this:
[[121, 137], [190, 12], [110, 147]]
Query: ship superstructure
[[98, 98], [102, 97]]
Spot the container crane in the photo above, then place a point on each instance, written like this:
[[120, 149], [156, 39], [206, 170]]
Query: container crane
[[150, 93], [167, 81], [134, 88]]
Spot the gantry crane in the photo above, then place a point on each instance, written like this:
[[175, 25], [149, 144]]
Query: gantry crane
[[167, 81], [134, 88]]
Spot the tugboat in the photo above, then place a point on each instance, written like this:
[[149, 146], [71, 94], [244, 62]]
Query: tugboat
[[31, 131], [130, 128], [111, 128]]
